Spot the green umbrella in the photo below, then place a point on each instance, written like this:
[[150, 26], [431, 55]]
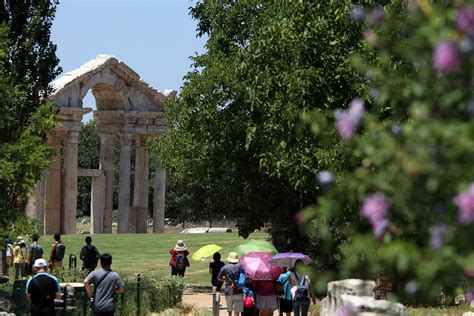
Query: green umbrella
[[255, 246]]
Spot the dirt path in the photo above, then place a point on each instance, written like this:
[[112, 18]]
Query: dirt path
[[203, 301]]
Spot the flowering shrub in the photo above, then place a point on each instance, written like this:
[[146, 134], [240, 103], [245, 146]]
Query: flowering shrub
[[408, 204]]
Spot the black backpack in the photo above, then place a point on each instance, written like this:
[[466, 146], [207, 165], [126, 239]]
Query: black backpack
[[59, 251], [180, 262], [90, 260]]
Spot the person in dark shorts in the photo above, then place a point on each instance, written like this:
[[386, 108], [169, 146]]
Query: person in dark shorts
[[89, 255], [214, 269], [42, 289], [179, 259], [35, 252], [106, 284], [285, 303]]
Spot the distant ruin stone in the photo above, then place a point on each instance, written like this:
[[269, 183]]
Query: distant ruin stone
[[360, 295], [85, 221], [84, 232]]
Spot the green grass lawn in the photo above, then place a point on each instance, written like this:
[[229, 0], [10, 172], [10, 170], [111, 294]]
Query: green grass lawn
[[148, 253]]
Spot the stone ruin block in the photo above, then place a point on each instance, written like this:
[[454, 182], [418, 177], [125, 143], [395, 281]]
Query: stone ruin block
[[360, 295]]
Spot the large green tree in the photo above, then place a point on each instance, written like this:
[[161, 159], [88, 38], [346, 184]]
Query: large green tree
[[28, 63], [236, 125]]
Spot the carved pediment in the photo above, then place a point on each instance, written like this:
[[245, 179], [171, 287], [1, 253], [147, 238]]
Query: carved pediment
[[114, 85]]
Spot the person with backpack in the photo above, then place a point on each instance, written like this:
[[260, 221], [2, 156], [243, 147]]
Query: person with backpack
[[179, 259], [56, 254], [283, 288], [106, 284], [233, 290], [301, 290], [42, 289], [89, 255], [20, 257], [35, 251]]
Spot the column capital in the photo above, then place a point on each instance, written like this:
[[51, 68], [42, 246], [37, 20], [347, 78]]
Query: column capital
[[107, 138], [141, 139], [126, 138], [72, 137]]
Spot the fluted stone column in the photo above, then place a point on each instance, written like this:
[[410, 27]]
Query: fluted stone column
[[159, 200], [52, 214], [69, 211], [107, 142], [140, 192], [35, 206], [124, 185], [97, 204]]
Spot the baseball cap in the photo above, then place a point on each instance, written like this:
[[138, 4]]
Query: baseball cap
[[40, 263]]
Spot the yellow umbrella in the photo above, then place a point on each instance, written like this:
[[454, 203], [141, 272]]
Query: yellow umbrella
[[206, 251]]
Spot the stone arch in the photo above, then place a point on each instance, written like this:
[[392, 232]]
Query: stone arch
[[128, 108]]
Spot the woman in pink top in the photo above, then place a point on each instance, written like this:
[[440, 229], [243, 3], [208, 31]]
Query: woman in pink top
[[266, 297]]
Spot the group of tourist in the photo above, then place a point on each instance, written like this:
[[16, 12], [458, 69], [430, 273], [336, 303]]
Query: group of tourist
[[290, 292], [42, 288], [22, 257]]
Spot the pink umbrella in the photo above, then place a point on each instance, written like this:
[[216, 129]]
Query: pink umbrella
[[258, 267]]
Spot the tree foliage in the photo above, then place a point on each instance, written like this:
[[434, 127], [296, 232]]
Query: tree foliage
[[30, 60], [27, 65], [410, 197], [236, 125]]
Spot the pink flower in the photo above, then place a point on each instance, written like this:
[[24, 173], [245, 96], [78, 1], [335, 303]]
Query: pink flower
[[345, 310], [470, 296], [465, 20], [375, 209], [446, 56], [465, 203], [299, 218], [347, 122]]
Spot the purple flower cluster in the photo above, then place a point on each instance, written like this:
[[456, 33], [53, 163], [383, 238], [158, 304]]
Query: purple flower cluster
[[446, 56], [345, 310], [348, 121], [465, 203], [357, 13], [377, 15], [470, 296], [465, 20], [375, 209], [437, 234]]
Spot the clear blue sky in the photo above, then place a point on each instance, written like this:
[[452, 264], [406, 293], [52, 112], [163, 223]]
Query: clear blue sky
[[153, 37]]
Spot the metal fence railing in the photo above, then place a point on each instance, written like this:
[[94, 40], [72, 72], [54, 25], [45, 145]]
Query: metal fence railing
[[139, 298]]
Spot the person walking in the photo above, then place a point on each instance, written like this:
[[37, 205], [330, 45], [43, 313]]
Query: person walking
[[20, 257], [179, 259], [89, 255], [301, 290], [234, 297], [35, 251], [266, 297], [214, 269], [106, 284], [56, 254], [285, 304], [42, 289]]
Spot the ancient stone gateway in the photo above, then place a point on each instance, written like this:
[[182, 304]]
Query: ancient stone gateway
[[127, 108]]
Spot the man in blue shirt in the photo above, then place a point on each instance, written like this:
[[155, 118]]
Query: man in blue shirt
[[42, 289]]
